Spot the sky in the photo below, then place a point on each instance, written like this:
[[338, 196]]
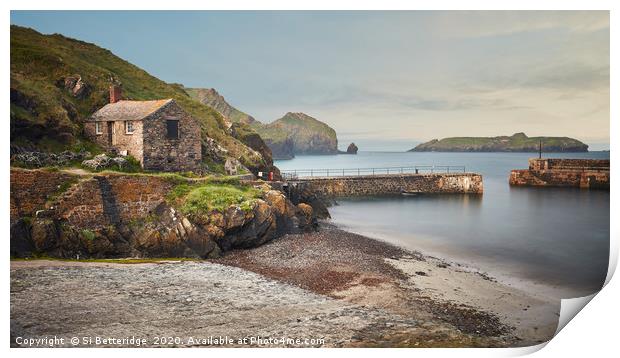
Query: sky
[[386, 80]]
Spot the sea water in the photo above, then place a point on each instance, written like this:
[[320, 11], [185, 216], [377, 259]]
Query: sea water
[[557, 237]]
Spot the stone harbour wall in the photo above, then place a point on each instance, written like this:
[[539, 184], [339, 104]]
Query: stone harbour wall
[[390, 184], [579, 173], [581, 164]]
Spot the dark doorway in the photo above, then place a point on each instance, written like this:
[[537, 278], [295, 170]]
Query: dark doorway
[[110, 132]]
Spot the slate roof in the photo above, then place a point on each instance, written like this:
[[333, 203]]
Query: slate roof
[[128, 110]]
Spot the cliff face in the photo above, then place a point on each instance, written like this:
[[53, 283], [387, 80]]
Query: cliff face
[[57, 82], [518, 142], [308, 135], [281, 149], [212, 98]]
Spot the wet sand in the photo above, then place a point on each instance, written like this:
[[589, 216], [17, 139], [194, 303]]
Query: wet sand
[[338, 288], [453, 299]]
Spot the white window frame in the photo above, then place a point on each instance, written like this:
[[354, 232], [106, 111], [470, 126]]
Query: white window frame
[[98, 128], [127, 125]]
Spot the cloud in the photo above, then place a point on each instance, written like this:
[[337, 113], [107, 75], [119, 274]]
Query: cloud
[[467, 24]]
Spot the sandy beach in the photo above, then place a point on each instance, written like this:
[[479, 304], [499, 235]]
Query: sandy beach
[[329, 288]]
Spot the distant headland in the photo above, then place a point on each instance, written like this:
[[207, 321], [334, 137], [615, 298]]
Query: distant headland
[[518, 142]]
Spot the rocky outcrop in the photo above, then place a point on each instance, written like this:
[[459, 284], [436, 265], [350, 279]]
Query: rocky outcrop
[[301, 193], [352, 149], [75, 85], [114, 215], [249, 137], [282, 150], [518, 142]]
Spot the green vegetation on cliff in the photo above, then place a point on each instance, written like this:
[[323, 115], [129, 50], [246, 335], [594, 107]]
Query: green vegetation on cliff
[[57, 82], [518, 142]]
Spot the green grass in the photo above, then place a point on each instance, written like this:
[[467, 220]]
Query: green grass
[[197, 200]]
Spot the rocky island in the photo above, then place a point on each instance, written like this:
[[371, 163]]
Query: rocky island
[[351, 149], [518, 142]]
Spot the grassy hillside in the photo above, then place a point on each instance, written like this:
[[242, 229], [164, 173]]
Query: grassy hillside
[[212, 98], [46, 114], [518, 142]]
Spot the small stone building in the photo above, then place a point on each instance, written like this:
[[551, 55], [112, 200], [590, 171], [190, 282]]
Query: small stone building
[[159, 134]]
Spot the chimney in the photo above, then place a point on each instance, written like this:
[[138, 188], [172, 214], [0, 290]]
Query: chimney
[[115, 93]]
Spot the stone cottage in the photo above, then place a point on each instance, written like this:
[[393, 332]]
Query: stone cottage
[[159, 133]]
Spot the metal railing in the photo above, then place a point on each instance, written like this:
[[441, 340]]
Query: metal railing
[[416, 169]]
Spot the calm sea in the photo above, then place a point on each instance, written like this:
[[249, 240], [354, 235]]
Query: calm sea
[[557, 238]]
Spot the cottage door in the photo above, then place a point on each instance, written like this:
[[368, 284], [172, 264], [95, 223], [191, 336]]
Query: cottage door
[[110, 133]]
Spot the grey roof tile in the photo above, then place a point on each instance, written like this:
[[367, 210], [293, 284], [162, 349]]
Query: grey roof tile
[[128, 110]]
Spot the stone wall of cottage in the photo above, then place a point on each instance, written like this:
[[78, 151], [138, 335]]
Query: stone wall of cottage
[[121, 141], [164, 154], [457, 183]]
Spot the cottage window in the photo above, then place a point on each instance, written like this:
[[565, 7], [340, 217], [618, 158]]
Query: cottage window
[[172, 127], [98, 129], [128, 127]]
